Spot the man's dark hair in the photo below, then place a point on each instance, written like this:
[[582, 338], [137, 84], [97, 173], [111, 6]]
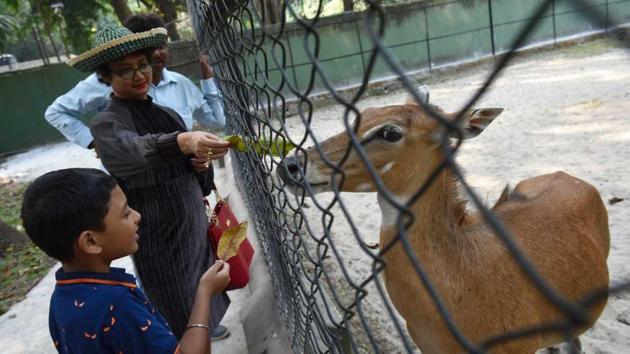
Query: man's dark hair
[[143, 23], [59, 205]]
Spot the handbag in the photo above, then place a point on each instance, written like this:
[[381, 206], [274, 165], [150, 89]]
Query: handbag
[[221, 219]]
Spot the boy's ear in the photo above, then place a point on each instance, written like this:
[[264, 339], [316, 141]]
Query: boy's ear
[[88, 243]]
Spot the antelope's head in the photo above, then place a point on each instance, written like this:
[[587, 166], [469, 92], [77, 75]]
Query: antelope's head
[[402, 143]]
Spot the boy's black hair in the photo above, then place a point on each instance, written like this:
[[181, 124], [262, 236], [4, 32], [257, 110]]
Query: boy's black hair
[[143, 23], [59, 205]]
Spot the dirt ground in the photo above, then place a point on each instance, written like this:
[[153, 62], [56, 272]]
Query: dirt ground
[[566, 109]]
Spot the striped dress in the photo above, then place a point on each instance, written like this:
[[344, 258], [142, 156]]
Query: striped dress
[[137, 143]]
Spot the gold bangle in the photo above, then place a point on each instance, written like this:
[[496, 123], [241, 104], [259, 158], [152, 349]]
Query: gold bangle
[[192, 325]]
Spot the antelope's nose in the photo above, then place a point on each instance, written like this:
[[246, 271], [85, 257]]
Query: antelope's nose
[[290, 172]]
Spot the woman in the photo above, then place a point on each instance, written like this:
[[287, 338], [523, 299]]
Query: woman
[[163, 169]]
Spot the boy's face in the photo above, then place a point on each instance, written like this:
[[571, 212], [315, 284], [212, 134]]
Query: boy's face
[[119, 238]]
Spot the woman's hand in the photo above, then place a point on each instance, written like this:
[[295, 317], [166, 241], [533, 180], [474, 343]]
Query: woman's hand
[[200, 165], [202, 144]]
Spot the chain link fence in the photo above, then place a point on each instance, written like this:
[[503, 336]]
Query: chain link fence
[[322, 313]]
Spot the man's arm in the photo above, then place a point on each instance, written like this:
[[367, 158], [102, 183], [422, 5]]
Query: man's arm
[[210, 112], [88, 96], [209, 109]]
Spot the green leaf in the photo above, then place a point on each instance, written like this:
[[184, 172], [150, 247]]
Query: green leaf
[[280, 146]]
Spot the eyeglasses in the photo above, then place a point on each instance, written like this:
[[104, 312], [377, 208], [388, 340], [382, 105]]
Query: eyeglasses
[[128, 74]]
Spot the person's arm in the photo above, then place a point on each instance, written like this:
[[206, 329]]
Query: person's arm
[[125, 152], [208, 108], [88, 96], [212, 282]]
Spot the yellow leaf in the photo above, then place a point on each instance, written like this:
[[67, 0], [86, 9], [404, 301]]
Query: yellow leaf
[[231, 240]]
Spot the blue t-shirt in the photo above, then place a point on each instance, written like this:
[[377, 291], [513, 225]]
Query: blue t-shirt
[[106, 313]]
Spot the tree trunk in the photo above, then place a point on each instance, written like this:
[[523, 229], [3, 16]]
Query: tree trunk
[[348, 5], [40, 46], [10, 236], [169, 12], [52, 43], [121, 9], [270, 11]]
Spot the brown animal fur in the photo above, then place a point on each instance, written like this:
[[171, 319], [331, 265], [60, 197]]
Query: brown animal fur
[[558, 221]]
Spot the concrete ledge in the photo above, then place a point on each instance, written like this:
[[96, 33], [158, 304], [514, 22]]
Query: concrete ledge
[[263, 329]]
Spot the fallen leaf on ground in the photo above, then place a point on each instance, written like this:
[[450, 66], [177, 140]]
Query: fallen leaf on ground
[[615, 200], [5, 180]]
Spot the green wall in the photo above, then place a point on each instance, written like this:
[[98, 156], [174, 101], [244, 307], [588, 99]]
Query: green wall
[[420, 35], [24, 96]]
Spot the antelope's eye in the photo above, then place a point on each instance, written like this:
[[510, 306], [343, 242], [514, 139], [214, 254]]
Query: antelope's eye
[[391, 133]]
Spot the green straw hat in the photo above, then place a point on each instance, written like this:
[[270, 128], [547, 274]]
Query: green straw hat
[[114, 43]]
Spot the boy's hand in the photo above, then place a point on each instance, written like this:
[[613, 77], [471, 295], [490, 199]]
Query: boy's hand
[[216, 278]]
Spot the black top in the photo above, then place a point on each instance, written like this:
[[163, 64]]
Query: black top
[[132, 136], [150, 118], [137, 143]]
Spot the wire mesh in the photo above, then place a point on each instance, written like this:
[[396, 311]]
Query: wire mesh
[[323, 313]]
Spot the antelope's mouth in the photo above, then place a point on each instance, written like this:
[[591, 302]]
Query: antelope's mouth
[[292, 173]]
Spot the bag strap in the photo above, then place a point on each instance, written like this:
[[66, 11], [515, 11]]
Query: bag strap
[[213, 218], [218, 196]]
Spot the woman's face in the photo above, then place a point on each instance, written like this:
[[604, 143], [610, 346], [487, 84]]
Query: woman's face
[[130, 76]]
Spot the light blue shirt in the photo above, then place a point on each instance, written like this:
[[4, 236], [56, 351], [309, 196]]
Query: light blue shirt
[[174, 91]]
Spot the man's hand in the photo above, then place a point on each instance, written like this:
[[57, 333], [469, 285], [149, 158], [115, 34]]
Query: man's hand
[[92, 145], [206, 70]]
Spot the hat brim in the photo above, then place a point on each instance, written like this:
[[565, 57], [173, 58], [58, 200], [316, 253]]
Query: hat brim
[[118, 48]]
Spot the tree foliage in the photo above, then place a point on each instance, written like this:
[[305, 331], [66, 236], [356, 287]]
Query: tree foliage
[[78, 19], [81, 18], [7, 29]]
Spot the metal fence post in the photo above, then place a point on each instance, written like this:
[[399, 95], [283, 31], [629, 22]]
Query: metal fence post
[[356, 28], [553, 20], [427, 37], [607, 19], [491, 27]]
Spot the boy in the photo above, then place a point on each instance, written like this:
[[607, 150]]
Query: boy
[[81, 217]]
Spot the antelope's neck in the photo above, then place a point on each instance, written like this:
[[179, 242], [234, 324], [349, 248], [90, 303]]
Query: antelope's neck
[[438, 214]]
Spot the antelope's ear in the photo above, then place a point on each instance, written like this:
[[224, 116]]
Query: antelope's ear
[[477, 120], [422, 91]]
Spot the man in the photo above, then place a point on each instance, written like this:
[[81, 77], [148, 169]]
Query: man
[[168, 89]]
